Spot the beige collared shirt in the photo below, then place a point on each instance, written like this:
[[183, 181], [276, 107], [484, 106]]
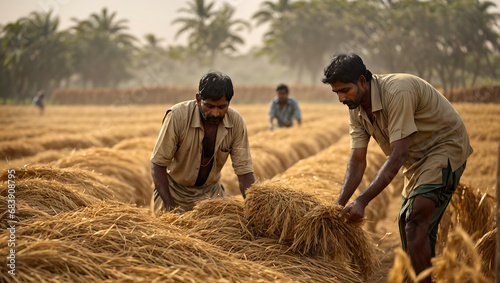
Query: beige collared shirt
[[404, 105], [179, 145]]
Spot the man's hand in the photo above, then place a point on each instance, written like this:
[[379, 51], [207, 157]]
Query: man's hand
[[354, 211], [169, 206]]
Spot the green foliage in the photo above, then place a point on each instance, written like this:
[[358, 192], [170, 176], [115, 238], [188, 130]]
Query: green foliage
[[450, 43], [33, 56], [102, 49], [210, 32]]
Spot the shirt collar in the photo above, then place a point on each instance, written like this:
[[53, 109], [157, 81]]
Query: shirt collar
[[375, 95]]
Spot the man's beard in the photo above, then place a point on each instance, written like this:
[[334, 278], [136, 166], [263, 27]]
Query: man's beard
[[210, 118], [353, 104]]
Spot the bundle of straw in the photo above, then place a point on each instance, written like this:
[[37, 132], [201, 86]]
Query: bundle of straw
[[401, 271], [74, 178], [459, 263], [486, 248], [51, 197], [220, 222], [322, 233], [22, 211], [112, 241], [273, 209], [469, 209], [117, 164], [279, 257]]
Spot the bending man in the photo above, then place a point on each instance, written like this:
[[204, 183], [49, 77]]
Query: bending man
[[194, 143], [419, 130]]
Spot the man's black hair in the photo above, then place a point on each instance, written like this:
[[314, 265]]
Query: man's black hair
[[346, 68], [215, 85], [282, 86]]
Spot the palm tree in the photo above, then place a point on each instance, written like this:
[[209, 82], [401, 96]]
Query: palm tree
[[222, 32], [102, 49], [35, 54], [270, 11], [210, 32], [196, 24]]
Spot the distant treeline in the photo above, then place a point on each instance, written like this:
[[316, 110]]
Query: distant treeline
[[450, 43], [242, 94]]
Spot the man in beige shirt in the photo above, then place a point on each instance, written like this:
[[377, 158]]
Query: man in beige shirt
[[419, 130], [195, 141]]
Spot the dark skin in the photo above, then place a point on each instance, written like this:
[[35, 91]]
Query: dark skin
[[359, 95], [211, 109]]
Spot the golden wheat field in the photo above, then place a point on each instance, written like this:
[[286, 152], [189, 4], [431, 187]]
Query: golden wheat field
[[80, 178]]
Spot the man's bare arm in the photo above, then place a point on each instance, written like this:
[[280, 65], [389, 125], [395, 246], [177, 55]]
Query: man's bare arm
[[160, 179], [398, 157], [270, 123], [245, 181], [355, 169]]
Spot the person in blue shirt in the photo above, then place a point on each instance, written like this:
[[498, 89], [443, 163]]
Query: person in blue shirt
[[38, 101], [285, 109]]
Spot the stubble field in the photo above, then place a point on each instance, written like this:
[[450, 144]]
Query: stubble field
[[83, 187]]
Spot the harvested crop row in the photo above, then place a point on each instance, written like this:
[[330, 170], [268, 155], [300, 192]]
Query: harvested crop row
[[114, 241], [280, 227]]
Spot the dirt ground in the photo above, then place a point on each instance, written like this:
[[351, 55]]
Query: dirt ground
[[387, 238]]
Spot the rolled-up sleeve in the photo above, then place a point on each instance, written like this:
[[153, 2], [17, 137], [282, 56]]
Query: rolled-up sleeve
[[166, 144], [359, 136], [240, 151]]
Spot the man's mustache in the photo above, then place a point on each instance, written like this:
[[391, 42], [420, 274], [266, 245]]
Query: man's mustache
[[214, 120], [348, 101]]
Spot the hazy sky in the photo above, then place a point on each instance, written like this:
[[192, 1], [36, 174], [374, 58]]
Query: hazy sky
[[144, 16]]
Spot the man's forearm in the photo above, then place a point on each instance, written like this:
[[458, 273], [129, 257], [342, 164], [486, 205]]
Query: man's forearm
[[245, 181], [270, 122], [160, 179], [353, 177], [398, 157]]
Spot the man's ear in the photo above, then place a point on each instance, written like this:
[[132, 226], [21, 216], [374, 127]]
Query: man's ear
[[362, 81], [198, 99]]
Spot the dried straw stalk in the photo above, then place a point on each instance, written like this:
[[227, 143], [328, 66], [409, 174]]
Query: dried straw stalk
[[322, 233], [486, 248], [273, 209]]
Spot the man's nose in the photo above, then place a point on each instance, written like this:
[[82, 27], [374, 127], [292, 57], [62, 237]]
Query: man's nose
[[215, 112], [342, 97]]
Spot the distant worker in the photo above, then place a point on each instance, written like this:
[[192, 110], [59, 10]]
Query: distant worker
[[284, 109], [38, 101], [195, 141], [419, 130]]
